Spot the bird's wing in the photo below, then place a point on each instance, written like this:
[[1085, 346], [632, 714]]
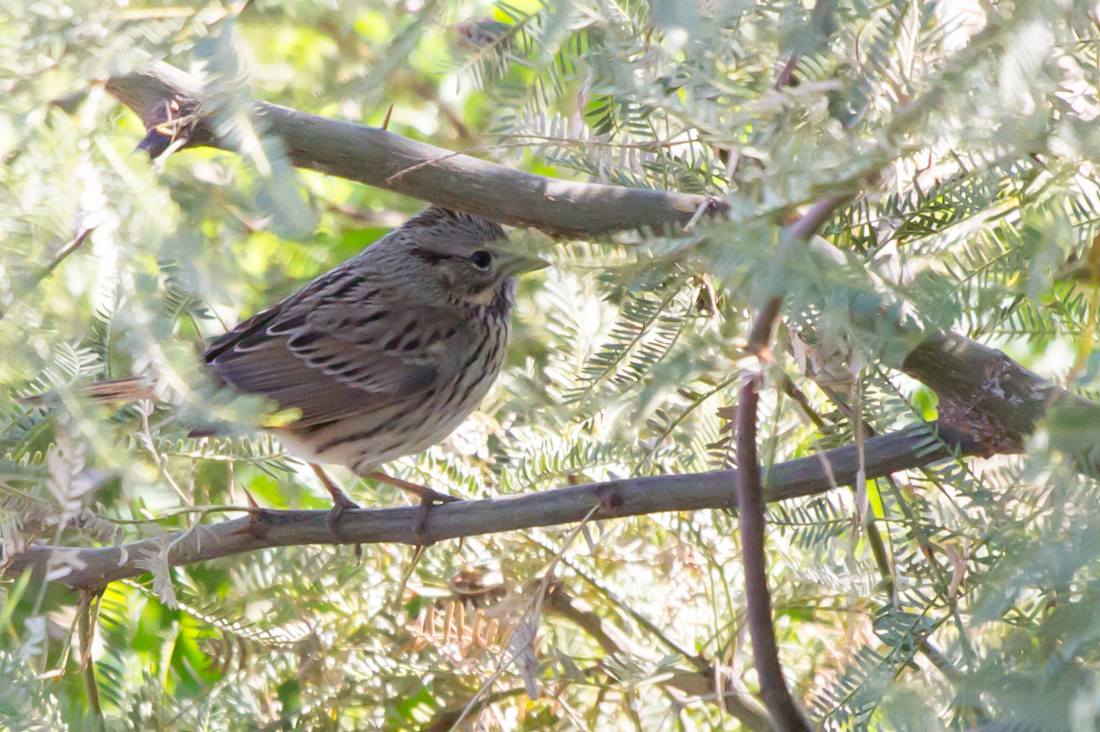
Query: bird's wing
[[333, 357]]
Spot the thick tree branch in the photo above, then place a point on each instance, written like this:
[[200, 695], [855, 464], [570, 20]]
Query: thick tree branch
[[913, 447], [981, 390], [172, 106]]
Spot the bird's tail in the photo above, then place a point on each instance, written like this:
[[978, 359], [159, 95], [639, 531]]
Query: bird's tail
[[129, 389], [137, 388]]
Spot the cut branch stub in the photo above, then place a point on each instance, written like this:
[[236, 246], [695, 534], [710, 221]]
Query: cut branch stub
[[169, 103]]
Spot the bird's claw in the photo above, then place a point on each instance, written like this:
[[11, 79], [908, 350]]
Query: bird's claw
[[428, 499], [340, 503]]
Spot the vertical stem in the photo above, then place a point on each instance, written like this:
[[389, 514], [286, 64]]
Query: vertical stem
[[762, 326], [87, 666], [750, 503]]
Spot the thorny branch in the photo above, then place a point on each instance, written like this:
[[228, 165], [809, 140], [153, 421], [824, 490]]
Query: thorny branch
[[93, 568]]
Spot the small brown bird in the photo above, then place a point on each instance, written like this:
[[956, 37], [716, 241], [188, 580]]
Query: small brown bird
[[386, 354]]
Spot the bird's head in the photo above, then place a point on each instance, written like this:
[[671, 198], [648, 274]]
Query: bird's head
[[468, 257]]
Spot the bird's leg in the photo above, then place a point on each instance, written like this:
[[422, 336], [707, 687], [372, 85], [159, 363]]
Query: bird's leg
[[340, 502], [427, 496]]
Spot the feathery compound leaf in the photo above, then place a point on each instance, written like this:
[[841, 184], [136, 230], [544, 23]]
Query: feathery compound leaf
[[649, 324]]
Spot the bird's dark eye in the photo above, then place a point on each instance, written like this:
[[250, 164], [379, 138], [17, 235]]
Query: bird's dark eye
[[481, 259]]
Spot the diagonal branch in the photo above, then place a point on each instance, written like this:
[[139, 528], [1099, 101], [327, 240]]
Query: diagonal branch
[[699, 682], [799, 231], [172, 106], [92, 568], [997, 400]]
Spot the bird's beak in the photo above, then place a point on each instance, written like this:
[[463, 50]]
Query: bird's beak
[[516, 264]]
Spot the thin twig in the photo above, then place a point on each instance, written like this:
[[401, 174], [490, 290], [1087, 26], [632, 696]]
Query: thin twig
[[146, 437], [701, 664], [734, 703], [29, 282], [87, 611], [531, 614]]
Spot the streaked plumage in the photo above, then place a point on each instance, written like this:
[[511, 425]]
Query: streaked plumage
[[380, 357], [386, 354]]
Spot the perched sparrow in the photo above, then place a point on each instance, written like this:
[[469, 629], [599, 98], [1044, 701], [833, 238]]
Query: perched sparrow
[[384, 355]]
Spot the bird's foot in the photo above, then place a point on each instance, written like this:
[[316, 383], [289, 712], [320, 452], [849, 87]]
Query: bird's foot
[[340, 503], [427, 496], [426, 504]]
